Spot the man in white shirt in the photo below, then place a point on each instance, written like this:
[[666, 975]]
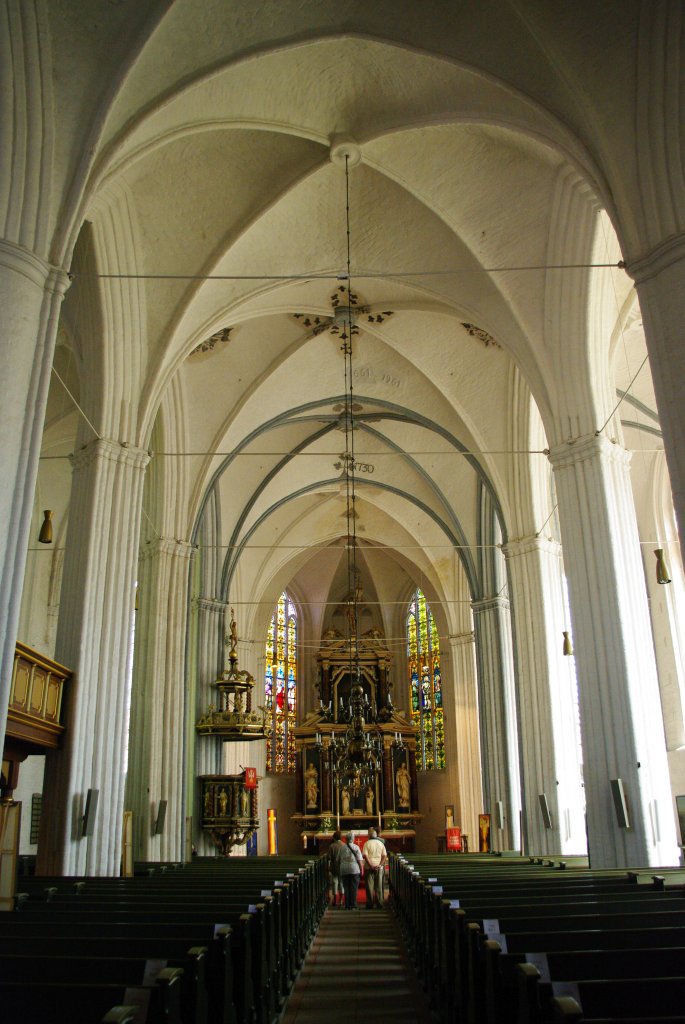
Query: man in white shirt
[[375, 859]]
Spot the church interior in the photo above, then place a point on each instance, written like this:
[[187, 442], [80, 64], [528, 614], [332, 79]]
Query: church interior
[[344, 380]]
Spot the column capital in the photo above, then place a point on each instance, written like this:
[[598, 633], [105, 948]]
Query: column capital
[[210, 604], [671, 250], [529, 545], [586, 448], [113, 451], [41, 273], [461, 639], [497, 602], [167, 546]]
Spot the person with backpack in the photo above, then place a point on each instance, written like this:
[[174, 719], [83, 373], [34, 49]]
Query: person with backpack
[[350, 871]]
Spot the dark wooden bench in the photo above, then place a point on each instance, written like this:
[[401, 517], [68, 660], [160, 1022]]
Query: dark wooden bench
[[50, 1002], [260, 951], [505, 989], [451, 940]]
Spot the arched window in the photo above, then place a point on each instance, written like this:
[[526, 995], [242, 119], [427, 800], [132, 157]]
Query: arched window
[[423, 649], [281, 686]]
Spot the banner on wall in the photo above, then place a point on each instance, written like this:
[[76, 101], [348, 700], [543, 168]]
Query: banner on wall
[[272, 831], [484, 833], [250, 778]]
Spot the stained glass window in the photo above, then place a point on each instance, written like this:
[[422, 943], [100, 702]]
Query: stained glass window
[[280, 685], [423, 650]]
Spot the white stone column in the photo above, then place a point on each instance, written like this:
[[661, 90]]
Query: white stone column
[[94, 637], [498, 729], [156, 766], [31, 292], [659, 279], [468, 760], [620, 709], [550, 761], [210, 660]]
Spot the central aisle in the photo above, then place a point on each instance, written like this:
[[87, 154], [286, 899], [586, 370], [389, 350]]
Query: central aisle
[[357, 969]]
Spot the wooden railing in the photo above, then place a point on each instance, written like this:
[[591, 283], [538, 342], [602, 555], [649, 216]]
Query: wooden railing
[[35, 700]]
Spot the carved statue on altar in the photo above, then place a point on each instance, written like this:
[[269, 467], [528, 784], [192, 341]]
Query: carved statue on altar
[[368, 799], [311, 784], [403, 785], [345, 800]]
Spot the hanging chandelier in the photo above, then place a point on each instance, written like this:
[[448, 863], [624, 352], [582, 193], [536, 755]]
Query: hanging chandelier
[[357, 753]]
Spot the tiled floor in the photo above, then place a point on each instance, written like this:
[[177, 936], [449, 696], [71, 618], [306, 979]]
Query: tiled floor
[[357, 970]]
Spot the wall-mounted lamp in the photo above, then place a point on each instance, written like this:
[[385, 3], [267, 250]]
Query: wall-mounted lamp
[[662, 575], [45, 535], [567, 648]]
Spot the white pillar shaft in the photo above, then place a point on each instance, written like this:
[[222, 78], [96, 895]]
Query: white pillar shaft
[[211, 627], [620, 709], [660, 284], [468, 762], [208, 749], [31, 293], [94, 638], [156, 758], [550, 761], [498, 719]]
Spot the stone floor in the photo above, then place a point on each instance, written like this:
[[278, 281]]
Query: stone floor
[[357, 969]]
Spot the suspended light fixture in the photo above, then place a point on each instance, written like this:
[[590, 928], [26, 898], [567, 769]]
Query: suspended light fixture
[[358, 752], [567, 648], [662, 573], [45, 535]]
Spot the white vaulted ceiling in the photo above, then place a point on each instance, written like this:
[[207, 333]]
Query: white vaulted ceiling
[[218, 146]]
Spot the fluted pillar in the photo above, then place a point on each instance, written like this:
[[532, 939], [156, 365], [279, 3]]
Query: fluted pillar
[[95, 638], [210, 660], [549, 740], [659, 277], [620, 709], [157, 741], [31, 293], [468, 759], [498, 719]]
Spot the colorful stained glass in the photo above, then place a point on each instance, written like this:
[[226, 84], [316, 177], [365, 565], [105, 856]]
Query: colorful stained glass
[[423, 652], [280, 685]]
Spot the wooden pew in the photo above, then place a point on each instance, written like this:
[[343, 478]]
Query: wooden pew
[[266, 946], [448, 944], [50, 1002]]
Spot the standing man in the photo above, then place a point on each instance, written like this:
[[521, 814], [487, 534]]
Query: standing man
[[375, 859]]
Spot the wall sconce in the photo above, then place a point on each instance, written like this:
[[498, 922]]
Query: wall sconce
[[567, 648], [45, 535], [662, 575]]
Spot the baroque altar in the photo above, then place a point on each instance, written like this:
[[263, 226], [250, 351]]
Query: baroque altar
[[384, 796]]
